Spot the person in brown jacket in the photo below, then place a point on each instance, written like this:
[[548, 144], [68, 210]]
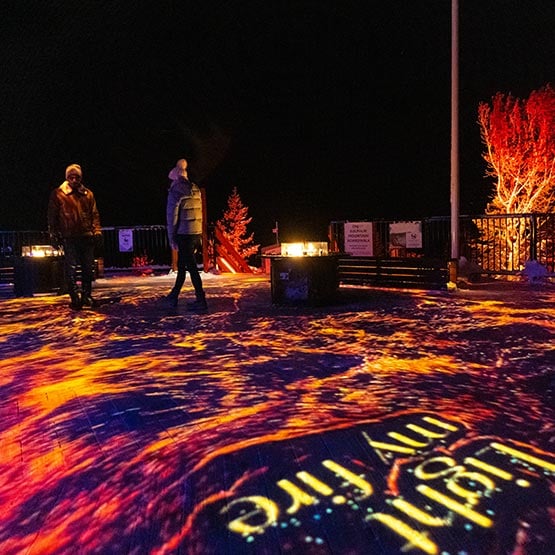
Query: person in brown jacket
[[74, 223]]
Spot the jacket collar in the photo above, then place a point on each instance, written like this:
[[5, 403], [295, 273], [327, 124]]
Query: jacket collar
[[66, 188]]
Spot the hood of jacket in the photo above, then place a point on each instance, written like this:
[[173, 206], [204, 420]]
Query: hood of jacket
[[181, 187]]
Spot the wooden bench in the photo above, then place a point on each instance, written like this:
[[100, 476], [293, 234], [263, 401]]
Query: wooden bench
[[413, 273]]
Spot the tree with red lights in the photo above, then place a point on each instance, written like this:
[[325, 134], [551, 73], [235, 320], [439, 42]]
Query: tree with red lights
[[234, 225], [519, 136], [519, 139]]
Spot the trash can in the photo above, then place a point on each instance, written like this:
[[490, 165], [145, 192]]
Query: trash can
[[304, 280], [44, 274]]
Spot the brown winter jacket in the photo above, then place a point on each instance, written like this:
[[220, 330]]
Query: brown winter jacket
[[73, 213]]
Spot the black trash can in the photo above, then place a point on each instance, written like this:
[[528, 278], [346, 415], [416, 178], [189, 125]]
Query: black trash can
[[304, 280]]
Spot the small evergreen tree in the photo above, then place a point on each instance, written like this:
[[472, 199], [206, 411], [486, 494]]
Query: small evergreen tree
[[234, 224]]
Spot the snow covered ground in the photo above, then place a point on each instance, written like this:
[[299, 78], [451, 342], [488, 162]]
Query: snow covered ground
[[387, 422]]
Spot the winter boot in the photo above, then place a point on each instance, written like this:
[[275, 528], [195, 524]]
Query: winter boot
[[171, 298], [199, 305], [86, 300], [76, 303]]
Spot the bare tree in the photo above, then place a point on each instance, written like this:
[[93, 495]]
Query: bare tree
[[519, 136], [519, 139]]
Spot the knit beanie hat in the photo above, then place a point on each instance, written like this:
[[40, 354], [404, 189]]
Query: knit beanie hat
[[180, 170], [74, 168]]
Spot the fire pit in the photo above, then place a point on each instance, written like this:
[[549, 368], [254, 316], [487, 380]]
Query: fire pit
[[304, 273]]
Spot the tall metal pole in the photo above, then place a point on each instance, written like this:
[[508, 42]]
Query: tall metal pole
[[454, 130]]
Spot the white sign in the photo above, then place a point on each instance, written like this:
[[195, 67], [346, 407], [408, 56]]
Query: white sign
[[358, 238], [125, 240], [405, 234]]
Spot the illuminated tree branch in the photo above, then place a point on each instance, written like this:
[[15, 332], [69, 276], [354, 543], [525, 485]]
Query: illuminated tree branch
[[519, 136]]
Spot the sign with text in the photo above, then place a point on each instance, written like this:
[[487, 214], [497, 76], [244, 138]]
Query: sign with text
[[405, 234], [415, 482], [359, 238], [125, 240]]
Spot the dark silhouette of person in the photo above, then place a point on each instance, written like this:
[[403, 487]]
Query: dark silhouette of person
[[184, 225], [74, 224]]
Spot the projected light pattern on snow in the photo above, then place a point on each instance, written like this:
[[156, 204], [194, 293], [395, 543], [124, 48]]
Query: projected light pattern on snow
[[414, 477], [393, 421]]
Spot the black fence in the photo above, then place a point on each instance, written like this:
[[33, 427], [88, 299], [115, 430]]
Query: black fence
[[124, 247], [149, 246], [498, 245]]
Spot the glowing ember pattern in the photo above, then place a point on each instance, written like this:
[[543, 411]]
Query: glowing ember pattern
[[414, 422]]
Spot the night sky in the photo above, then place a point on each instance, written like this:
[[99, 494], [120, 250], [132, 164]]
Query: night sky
[[315, 110]]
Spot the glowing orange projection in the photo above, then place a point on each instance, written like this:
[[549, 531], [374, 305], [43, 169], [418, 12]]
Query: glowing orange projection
[[414, 421]]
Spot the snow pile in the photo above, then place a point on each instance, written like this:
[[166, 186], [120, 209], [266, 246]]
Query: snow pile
[[468, 270], [534, 272]]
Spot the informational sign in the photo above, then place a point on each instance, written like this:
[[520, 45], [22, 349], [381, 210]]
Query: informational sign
[[405, 234], [125, 240], [359, 238]]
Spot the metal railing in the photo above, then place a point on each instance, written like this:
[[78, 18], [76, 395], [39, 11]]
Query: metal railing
[[498, 244], [149, 243], [12, 242]]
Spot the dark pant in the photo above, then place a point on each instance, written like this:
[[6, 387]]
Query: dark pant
[[79, 251], [187, 245]]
